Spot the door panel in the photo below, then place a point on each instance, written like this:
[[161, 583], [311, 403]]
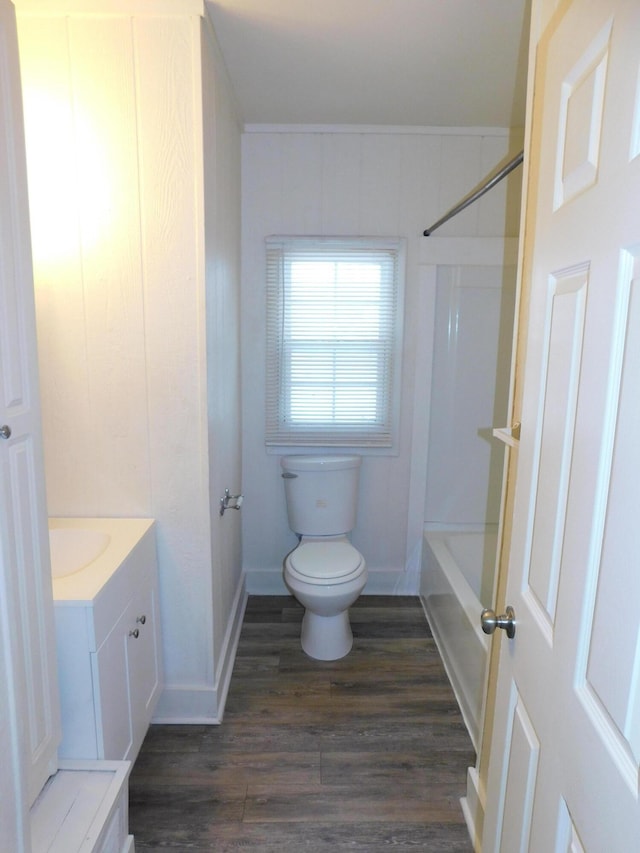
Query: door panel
[[562, 349], [608, 653], [568, 839], [581, 112], [612, 657], [111, 668], [574, 564], [24, 546], [522, 764]]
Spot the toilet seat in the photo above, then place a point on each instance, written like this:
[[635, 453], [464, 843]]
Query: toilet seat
[[325, 561]]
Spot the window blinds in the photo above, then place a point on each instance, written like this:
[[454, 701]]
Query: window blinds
[[333, 337]]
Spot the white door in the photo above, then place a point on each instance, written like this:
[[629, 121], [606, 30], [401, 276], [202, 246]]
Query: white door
[[30, 731], [565, 754]]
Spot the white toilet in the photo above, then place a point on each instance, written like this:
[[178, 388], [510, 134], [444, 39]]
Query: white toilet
[[324, 572]]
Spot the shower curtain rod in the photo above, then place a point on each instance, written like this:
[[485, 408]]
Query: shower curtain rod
[[469, 199]]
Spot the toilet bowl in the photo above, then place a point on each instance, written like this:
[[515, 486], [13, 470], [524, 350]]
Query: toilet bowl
[[326, 575], [324, 572]]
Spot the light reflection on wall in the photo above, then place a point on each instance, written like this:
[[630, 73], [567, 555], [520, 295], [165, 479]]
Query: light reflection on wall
[[70, 200]]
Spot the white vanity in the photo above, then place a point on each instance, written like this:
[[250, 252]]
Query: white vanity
[[105, 590], [84, 808]]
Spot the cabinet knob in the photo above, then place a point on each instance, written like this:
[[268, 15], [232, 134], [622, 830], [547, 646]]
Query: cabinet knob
[[141, 619], [135, 633]]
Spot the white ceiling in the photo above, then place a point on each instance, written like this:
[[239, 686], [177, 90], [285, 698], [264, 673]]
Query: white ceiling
[[448, 63]]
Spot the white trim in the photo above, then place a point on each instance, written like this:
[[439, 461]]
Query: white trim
[[100, 9], [200, 703], [384, 581], [187, 704], [423, 366], [297, 339], [265, 582], [230, 645], [414, 130]]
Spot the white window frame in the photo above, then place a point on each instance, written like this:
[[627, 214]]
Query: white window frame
[[374, 427]]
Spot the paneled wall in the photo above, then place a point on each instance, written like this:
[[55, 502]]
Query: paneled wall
[[347, 182], [129, 251], [222, 310]]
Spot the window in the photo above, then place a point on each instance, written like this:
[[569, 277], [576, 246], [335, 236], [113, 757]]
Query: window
[[333, 341]]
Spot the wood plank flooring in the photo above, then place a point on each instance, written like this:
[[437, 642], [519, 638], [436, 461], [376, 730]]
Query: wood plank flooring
[[366, 753]]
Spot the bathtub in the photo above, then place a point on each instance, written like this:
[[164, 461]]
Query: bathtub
[[458, 569]]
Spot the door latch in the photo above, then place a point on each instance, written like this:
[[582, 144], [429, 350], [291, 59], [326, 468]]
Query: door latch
[[230, 501]]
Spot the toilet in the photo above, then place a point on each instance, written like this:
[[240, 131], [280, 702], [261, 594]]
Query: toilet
[[324, 572]]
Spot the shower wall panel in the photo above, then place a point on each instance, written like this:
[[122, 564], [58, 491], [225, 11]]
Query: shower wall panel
[[469, 393]]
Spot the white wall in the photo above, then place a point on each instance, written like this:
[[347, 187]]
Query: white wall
[[357, 182], [222, 269], [121, 293]]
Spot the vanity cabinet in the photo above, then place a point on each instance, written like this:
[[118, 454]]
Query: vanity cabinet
[[109, 658], [85, 809]]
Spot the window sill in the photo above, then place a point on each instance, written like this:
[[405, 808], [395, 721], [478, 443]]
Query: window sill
[[319, 449]]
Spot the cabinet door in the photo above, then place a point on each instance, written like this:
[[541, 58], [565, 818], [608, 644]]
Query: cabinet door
[[144, 659], [111, 678]]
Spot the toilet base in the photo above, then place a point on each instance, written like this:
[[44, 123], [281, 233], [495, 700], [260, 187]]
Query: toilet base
[[326, 637]]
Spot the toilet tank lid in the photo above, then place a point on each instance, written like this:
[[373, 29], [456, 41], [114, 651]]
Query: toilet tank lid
[[320, 463]]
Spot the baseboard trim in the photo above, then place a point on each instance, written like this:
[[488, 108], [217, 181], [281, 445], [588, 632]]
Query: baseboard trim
[[199, 704], [188, 705], [230, 646], [265, 582]]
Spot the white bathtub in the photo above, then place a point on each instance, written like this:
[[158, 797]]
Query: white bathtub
[[456, 583]]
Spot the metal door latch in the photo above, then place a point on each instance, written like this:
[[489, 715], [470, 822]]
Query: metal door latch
[[230, 501]]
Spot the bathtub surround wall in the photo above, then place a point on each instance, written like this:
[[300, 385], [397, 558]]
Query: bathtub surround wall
[[474, 285], [375, 182], [134, 149], [474, 315]]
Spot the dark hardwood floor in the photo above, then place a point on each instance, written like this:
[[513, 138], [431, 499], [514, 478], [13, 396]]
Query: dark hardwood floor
[[368, 753]]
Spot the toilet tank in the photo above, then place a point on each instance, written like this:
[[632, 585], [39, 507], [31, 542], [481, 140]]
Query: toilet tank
[[321, 493]]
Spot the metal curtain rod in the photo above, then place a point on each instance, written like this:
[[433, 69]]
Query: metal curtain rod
[[469, 199]]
